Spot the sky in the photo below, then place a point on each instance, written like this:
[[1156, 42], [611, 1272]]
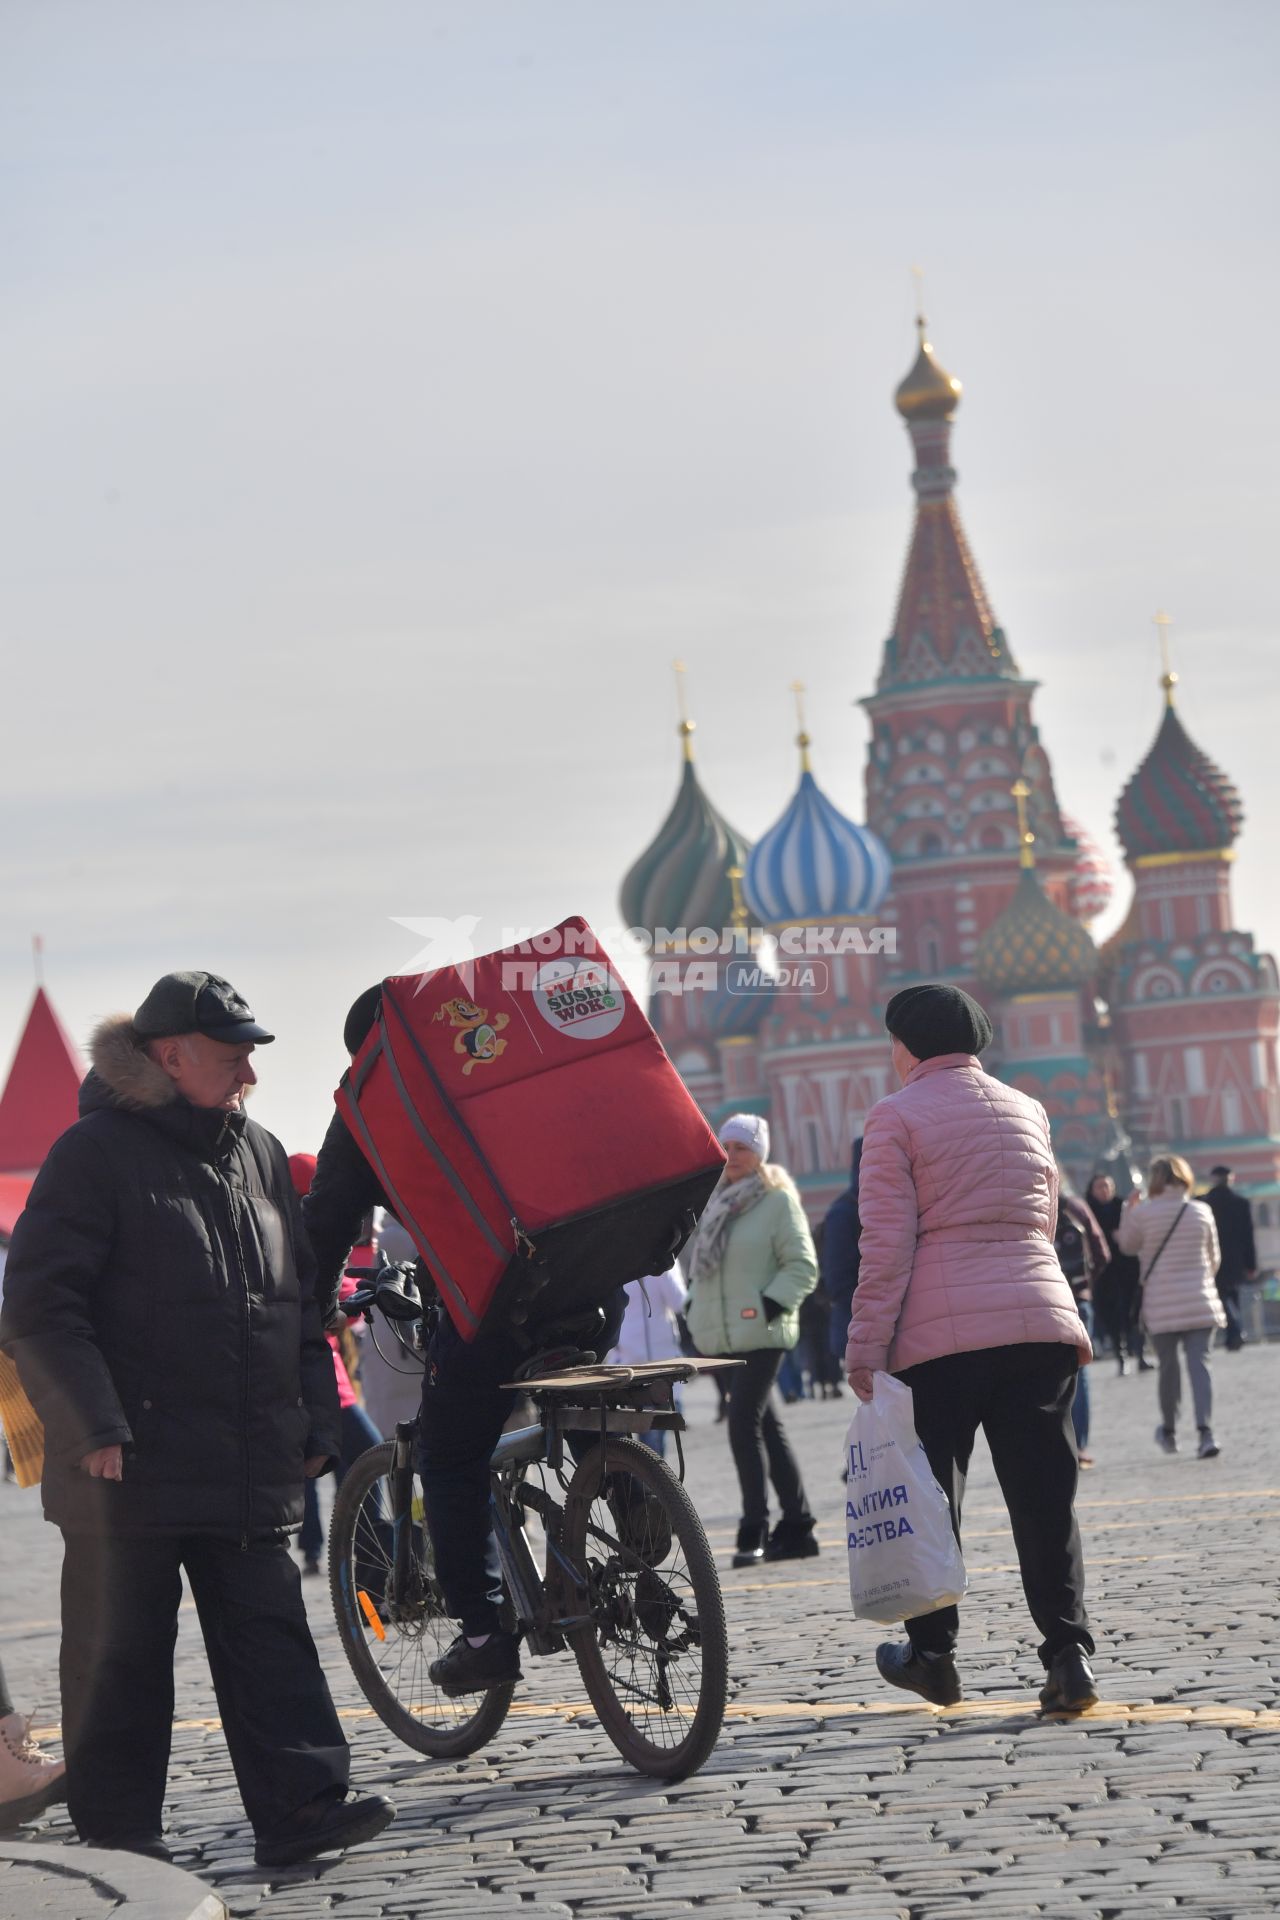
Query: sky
[[392, 390]]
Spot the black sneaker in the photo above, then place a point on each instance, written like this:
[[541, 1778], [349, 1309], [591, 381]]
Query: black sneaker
[[324, 1825], [752, 1535], [1070, 1687], [932, 1675], [792, 1540], [1166, 1439], [468, 1669]]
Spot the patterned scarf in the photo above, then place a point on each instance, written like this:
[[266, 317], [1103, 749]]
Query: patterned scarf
[[722, 1209]]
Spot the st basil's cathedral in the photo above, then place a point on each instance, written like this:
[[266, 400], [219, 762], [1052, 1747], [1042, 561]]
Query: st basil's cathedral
[[1162, 1039]]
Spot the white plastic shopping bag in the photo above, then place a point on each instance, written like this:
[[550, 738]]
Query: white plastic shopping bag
[[903, 1556]]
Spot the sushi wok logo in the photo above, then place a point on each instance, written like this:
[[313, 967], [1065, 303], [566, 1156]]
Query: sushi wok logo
[[579, 997]]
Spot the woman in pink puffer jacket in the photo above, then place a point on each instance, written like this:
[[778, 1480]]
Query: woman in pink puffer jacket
[[960, 1295]]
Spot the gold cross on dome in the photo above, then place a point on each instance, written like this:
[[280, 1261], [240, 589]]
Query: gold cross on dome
[[802, 738], [1168, 679], [1026, 839], [686, 727]]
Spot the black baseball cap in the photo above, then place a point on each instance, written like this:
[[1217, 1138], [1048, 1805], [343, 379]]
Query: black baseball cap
[[198, 1003], [1219, 1173]]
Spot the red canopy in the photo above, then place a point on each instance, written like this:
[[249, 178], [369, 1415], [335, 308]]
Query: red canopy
[[40, 1099]]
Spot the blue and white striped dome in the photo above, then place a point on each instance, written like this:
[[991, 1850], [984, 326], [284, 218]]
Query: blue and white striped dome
[[814, 864]]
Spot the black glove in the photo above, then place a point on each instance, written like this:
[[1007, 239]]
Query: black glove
[[772, 1308]]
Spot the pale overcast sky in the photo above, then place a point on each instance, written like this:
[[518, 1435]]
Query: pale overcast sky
[[392, 389]]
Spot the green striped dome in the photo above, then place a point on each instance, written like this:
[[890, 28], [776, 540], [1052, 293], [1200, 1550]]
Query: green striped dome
[[682, 878]]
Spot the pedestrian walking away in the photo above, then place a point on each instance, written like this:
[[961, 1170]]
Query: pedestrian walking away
[[961, 1296], [1233, 1218], [1115, 1289], [1176, 1242], [160, 1306], [751, 1264], [1081, 1247]]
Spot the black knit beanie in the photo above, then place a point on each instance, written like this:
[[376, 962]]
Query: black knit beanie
[[936, 1019]]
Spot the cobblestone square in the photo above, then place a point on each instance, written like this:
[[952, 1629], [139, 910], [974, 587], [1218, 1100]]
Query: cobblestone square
[[827, 1793]]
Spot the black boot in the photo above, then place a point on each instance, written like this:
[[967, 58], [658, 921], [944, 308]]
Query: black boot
[[1070, 1687], [792, 1540], [932, 1675], [752, 1535]]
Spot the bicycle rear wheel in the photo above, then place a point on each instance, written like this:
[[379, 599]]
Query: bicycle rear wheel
[[655, 1658], [391, 1639]]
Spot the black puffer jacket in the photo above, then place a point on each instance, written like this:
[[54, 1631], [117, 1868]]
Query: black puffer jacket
[[160, 1295]]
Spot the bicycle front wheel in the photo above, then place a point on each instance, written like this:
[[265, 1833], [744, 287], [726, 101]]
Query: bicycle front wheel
[[655, 1656], [392, 1630]]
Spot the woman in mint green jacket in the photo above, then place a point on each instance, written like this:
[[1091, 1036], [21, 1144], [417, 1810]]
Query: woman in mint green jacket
[[751, 1264]]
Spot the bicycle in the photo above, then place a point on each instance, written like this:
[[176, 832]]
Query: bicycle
[[629, 1585]]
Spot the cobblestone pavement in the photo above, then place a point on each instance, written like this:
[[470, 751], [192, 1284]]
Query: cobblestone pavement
[[828, 1794]]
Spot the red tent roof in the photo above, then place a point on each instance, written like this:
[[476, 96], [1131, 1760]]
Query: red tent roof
[[40, 1099], [14, 1188]]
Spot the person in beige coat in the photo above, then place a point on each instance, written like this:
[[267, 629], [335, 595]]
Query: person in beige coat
[[1176, 1242]]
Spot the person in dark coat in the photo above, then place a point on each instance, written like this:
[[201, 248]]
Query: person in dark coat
[[1233, 1217], [1115, 1289], [160, 1307], [1082, 1251], [838, 1256]]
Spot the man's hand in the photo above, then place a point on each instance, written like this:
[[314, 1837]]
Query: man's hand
[[863, 1382], [316, 1464], [106, 1464]]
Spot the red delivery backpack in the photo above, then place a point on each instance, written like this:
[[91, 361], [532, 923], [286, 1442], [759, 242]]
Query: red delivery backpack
[[529, 1130]]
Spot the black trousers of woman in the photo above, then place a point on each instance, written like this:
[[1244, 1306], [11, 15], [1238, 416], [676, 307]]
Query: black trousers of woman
[[1021, 1398], [758, 1442]]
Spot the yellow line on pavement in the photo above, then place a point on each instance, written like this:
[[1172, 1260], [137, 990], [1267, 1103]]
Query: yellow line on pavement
[[1135, 1713]]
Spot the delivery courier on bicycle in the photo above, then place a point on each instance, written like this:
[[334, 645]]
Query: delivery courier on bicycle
[[412, 1135]]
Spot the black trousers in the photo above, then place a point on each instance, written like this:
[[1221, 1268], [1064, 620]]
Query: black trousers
[[1021, 1398], [120, 1599], [758, 1441], [464, 1409]]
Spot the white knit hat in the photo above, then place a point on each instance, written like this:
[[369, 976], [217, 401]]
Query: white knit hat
[[752, 1129]]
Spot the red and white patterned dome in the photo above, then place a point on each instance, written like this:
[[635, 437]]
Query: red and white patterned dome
[[1093, 879]]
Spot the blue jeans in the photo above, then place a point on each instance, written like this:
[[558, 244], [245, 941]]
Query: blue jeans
[[1080, 1404]]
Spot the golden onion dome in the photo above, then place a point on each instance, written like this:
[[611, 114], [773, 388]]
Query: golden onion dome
[[929, 392]]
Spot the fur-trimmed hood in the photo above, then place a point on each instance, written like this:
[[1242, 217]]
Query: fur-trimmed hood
[[126, 1074]]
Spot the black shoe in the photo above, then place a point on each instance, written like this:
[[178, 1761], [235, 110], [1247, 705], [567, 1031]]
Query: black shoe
[[324, 1825], [792, 1540], [1145, 1365], [149, 1845], [1070, 1687], [752, 1535], [311, 1566], [468, 1669], [643, 1526], [932, 1675]]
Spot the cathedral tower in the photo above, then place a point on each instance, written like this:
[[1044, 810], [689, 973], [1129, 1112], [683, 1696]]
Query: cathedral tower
[[1195, 1009], [951, 725]]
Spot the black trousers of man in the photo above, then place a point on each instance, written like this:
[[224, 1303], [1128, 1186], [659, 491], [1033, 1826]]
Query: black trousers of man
[[120, 1599], [464, 1408], [1021, 1398]]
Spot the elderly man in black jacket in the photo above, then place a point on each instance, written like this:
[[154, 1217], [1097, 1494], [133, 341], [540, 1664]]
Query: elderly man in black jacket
[[160, 1306]]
